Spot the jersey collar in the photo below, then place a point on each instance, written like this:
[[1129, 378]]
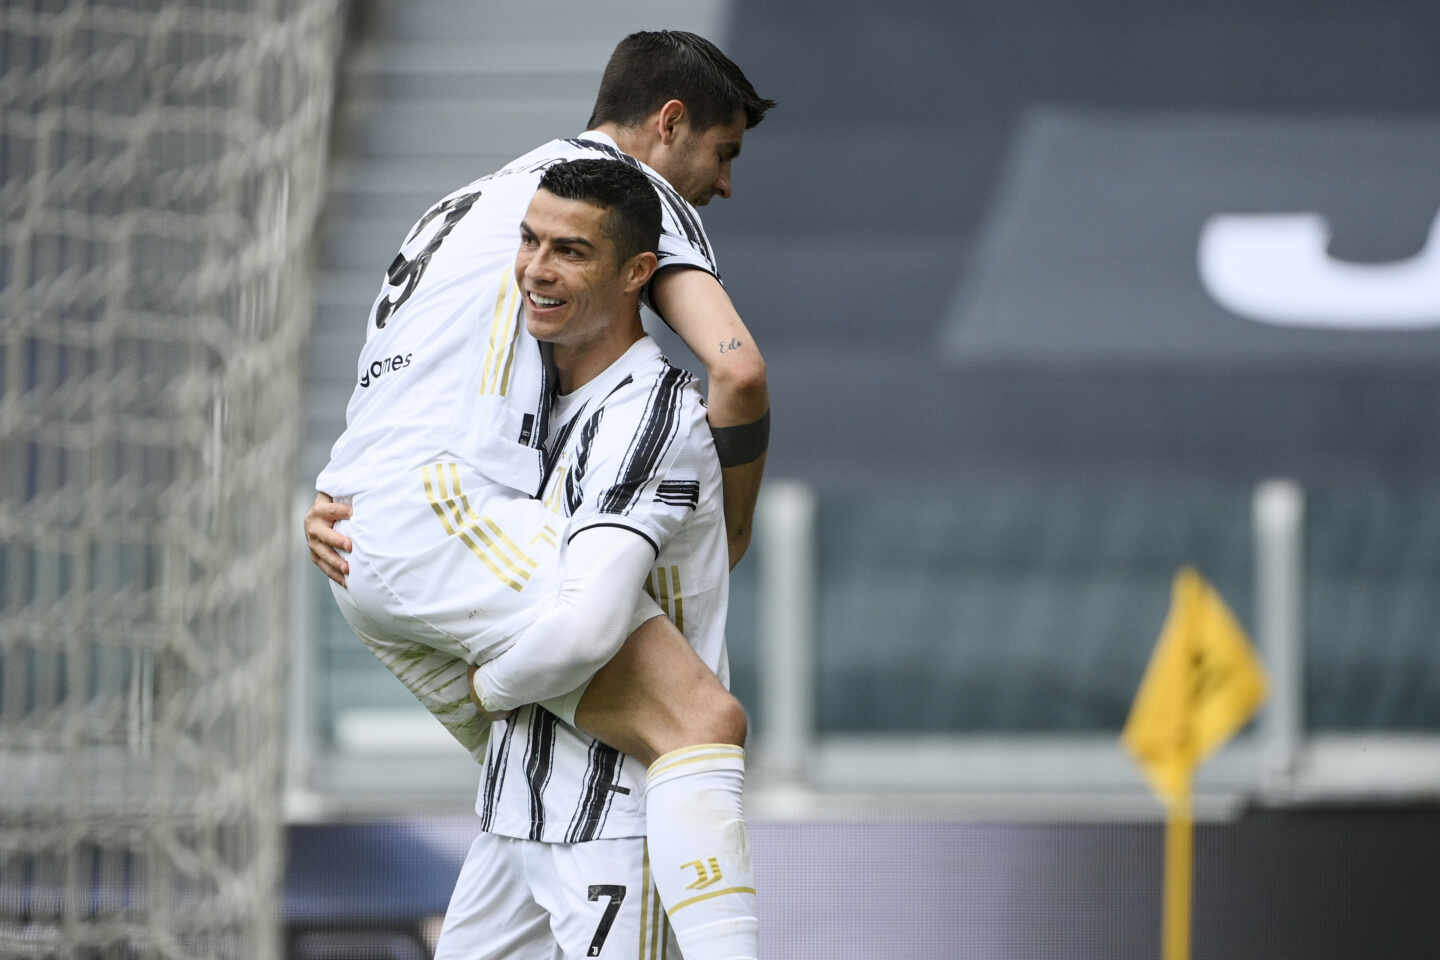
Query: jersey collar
[[604, 139], [642, 352], [597, 137]]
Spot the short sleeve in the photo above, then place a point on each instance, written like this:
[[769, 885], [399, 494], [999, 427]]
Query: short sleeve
[[682, 235], [683, 242], [646, 460]]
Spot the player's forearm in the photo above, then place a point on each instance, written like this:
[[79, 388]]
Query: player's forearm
[[741, 490], [581, 628], [700, 311], [546, 661]]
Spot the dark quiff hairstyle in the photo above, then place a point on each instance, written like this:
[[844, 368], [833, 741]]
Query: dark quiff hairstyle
[[632, 210], [650, 68]]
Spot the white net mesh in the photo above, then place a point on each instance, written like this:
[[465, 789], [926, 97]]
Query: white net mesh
[[161, 167]]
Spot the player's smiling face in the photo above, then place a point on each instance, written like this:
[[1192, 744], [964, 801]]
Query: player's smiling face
[[568, 272], [698, 164]]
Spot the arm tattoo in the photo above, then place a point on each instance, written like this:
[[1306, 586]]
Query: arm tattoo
[[732, 344]]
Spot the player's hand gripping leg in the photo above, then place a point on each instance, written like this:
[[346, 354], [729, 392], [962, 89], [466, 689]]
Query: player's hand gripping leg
[[657, 701], [322, 539]]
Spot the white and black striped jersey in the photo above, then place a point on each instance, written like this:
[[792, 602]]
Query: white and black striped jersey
[[448, 369], [631, 448]]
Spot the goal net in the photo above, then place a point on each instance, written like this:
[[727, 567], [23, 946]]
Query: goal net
[[161, 168]]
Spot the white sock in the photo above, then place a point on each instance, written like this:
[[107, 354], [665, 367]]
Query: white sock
[[700, 852]]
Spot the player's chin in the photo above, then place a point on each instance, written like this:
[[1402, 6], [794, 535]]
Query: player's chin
[[542, 327]]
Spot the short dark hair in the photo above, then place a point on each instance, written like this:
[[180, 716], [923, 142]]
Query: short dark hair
[[651, 67], [632, 210]]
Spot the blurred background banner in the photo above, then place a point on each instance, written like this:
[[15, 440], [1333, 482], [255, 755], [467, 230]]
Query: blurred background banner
[[1095, 252], [990, 214], [1087, 320], [1099, 241]]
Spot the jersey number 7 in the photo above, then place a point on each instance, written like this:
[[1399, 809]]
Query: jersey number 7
[[616, 893]]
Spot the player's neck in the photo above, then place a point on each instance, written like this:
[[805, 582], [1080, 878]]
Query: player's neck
[[638, 141], [578, 364]]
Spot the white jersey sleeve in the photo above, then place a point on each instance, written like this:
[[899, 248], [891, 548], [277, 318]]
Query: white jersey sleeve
[[682, 236], [594, 609], [649, 444]]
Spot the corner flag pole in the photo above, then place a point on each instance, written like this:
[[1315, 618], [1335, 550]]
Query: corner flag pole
[[1179, 869], [1203, 683]]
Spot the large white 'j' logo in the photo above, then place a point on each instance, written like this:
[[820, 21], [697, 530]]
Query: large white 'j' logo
[[1274, 268]]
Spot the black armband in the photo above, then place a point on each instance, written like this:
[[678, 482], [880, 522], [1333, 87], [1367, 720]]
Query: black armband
[[737, 446]]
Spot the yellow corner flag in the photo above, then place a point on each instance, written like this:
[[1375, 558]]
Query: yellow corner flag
[[1202, 684]]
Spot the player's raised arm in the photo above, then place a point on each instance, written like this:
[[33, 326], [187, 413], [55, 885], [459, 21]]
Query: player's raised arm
[[697, 307]]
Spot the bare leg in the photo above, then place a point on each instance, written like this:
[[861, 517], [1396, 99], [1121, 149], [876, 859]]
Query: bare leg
[[656, 696], [657, 701]]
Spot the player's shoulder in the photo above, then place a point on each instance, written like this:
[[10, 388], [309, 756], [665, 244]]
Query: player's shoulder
[[650, 378], [561, 149], [660, 401]]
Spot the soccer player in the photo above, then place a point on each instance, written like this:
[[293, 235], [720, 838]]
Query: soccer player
[[634, 483], [452, 396]]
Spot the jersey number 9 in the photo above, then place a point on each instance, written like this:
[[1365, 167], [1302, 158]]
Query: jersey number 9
[[408, 270]]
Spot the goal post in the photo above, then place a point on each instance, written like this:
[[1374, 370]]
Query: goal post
[[162, 166]]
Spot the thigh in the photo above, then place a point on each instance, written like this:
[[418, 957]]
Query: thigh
[[646, 701], [492, 913], [602, 901], [466, 562]]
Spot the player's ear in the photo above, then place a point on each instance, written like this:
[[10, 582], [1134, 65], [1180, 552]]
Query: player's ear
[[638, 270], [669, 117]]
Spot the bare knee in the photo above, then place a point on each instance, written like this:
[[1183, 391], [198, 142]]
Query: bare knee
[[657, 696], [711, 715], [723, 721]]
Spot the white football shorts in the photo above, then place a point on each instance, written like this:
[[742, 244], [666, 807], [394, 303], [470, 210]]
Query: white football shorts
[[527, 900], [447, 568]]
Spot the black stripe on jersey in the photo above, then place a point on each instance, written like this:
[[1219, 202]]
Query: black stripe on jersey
[[604, 148], [629, 379], [499, 754], [601, 778], [552, 452], [681, 211], [619, 526], [652, 438], [685, 215], [539, 761], [587, 795], [679, 493], [611, 787], [547, 371], [573, 479], [545, 164], [576, 475]]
